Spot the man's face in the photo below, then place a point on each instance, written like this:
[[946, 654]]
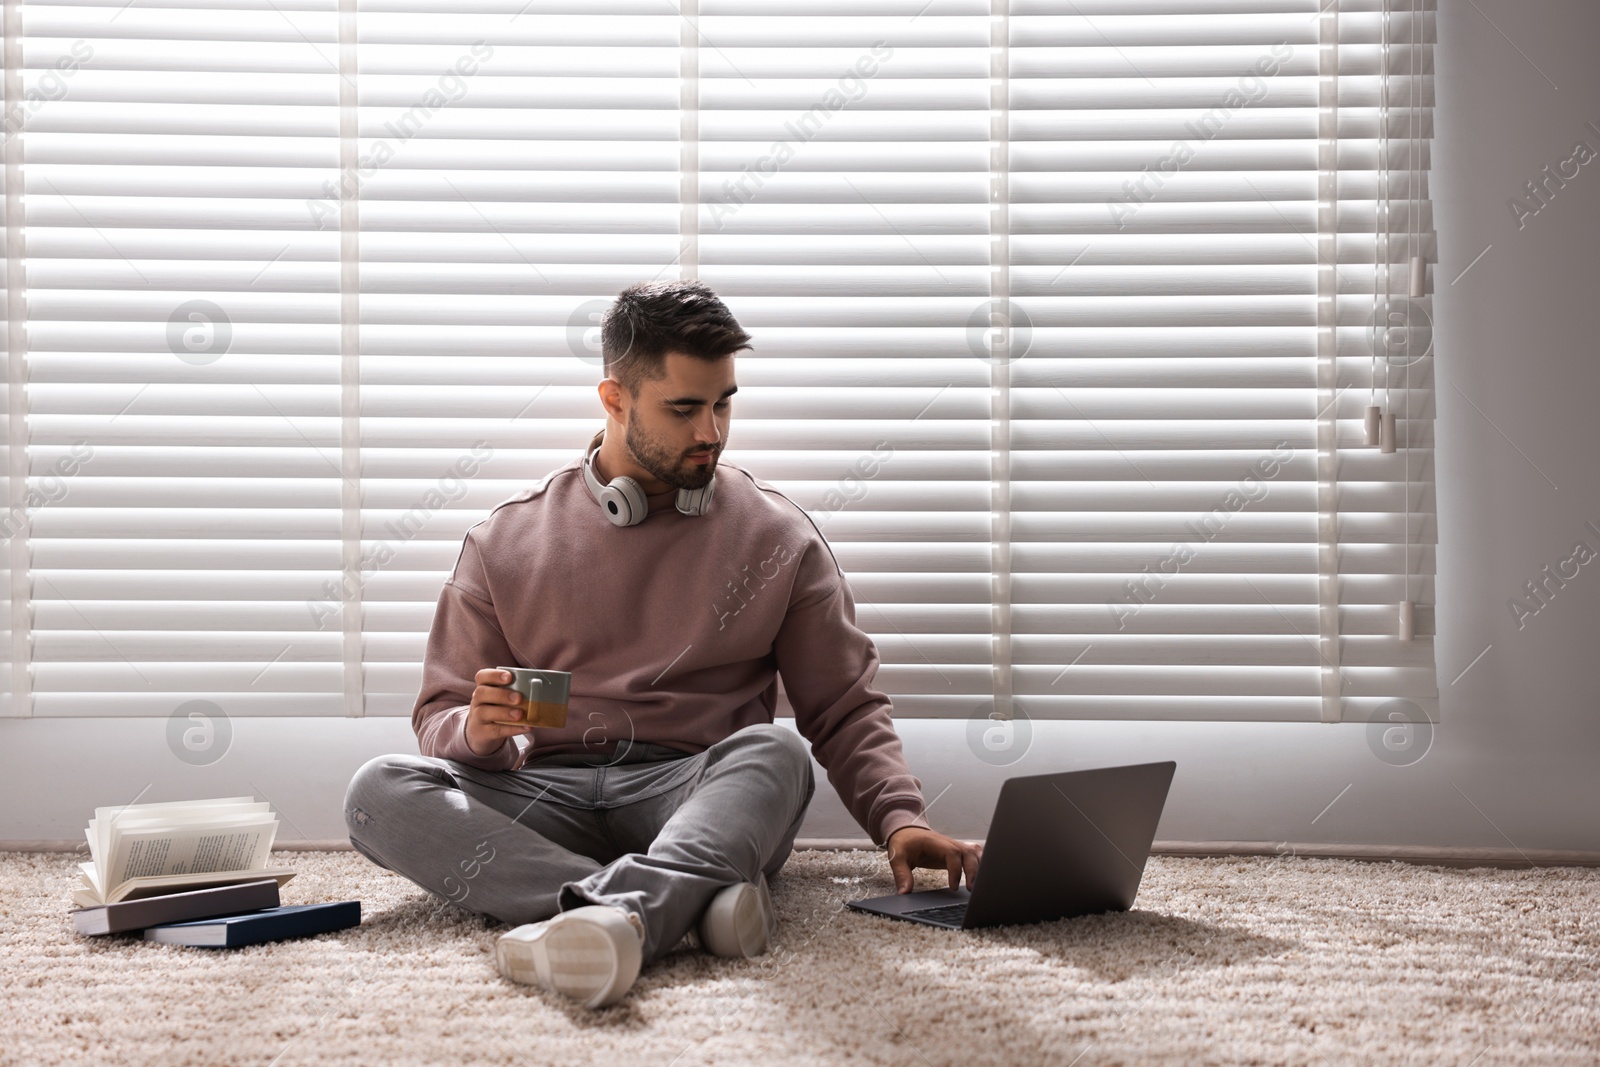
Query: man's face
[[678, 424]]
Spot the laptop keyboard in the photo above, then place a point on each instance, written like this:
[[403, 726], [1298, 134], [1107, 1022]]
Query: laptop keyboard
[[944, 913]]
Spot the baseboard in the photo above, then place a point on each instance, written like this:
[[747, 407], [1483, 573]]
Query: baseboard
[[829, 844], [1422, 855], [834, 844], [301, 845], [1425, 855]]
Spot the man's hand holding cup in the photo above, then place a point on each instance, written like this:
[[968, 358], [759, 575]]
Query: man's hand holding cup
[[513, 700]]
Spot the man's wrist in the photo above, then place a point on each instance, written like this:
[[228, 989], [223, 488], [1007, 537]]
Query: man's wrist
[[466, 737], [493, 749]]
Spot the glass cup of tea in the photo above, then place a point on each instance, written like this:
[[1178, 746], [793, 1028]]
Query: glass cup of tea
[[544, 696]]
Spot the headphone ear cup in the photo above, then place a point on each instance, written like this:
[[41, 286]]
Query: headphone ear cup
[[624, 502], [697, 501]]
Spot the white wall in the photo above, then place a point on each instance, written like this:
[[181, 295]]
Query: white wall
[[1513, 761]]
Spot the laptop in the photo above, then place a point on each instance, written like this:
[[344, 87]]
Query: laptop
[[1059, 845]]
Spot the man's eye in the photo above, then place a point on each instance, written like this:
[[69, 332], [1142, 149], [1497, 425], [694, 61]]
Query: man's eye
[[722, 405]]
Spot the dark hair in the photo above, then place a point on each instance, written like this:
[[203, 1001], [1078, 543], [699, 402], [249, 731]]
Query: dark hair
[[653, 318]]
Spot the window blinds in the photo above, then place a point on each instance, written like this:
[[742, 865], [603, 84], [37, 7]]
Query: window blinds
[[1063, 317]]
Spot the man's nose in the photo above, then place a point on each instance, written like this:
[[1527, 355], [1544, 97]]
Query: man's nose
[[705, 428]]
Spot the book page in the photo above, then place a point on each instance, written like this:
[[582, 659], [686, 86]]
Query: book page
[[105, 818], [103, 832], [175, 839], [139, 888], [96, 850], [147, 852]]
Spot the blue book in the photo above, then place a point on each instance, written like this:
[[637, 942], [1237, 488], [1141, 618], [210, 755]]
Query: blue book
[[253, 927]]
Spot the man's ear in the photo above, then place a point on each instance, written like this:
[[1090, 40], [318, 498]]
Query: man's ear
[[613, 397]]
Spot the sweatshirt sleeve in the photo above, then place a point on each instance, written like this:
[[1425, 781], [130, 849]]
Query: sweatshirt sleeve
[[465, 638], [828, 665]]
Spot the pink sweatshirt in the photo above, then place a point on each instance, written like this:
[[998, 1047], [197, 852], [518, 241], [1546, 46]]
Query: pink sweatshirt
[[674, 630]]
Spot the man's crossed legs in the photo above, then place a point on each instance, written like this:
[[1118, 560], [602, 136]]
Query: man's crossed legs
[[656, 833]]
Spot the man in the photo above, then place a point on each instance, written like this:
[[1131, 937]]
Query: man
[[675, 589]]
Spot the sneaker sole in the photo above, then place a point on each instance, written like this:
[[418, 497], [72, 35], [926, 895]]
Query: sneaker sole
[[580, 960], [740, 925]]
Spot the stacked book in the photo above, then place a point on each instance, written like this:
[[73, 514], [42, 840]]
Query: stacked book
[[193, 872]]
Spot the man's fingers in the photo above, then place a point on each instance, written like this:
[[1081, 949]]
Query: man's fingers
[[506, 722], [901, 871], [507, 728], [952, 864], [493, 694], [971, 863], [496, 707]]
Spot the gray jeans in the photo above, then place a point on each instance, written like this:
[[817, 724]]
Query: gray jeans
[[651, 829]]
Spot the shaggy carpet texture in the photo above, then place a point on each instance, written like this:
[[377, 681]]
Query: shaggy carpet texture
[[1261, 961]]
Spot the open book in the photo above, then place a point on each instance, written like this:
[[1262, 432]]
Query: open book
[[144, 850]]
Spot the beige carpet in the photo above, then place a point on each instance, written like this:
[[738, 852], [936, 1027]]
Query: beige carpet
[[1270, 961]]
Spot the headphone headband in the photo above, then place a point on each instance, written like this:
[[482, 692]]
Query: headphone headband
[[624, 501]]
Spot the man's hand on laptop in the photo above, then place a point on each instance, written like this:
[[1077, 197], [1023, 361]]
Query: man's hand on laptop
[[492, 700], [915, 846]]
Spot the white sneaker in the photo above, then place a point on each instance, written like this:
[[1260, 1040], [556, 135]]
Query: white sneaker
[[739, 922], [591, 953]]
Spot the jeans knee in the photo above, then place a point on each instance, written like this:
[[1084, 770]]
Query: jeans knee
[[787, 749], [366, 795]]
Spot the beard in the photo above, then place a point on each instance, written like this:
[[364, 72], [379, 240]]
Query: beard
[[667, 465]]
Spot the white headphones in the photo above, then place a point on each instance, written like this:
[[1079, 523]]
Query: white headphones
[[624, 501]]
